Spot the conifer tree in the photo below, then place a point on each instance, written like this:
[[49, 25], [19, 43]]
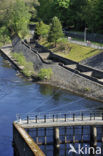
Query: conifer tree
[[55, 30]]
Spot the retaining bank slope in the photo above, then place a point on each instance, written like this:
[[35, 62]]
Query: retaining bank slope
[[72, 81]]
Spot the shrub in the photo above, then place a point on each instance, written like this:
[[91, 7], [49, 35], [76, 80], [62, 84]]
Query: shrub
[[28, 66], [45, 73]]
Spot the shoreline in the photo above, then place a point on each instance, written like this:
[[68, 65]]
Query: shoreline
[[77, 91]]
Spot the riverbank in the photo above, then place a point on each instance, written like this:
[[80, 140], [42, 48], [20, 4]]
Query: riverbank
[[65, 79]]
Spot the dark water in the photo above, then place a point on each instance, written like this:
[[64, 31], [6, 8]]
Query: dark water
[[20, 96]]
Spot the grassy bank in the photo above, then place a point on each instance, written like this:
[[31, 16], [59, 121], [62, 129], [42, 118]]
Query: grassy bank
[[69, 50], [27, 67]]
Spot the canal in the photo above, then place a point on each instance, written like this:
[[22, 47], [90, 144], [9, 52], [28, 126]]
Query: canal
[[20, 96]]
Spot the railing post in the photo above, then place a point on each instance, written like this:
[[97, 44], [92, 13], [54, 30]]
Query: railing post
[[102, 116], [27, 119], [53, 117], [19, 119], [94, 116], [82, 116], [44, 118], [57, 117], [73, 117], [36, 118], [90, 116], [65, 117]]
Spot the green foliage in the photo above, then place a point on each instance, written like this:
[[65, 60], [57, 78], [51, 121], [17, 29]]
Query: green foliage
[[55, 30], [46, 10], [18, 18], [45, 73], [4, 35], [42, 29], [62, 3], [28, 69]]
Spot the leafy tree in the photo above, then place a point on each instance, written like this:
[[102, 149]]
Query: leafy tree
[[42, 29], [46, 10], [55, 30], [18, 18]]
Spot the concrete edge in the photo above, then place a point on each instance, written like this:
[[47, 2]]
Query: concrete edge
[[28, 140]]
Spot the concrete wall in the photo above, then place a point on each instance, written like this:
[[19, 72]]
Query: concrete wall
[[24, 144], [58, 58], [80, 67]]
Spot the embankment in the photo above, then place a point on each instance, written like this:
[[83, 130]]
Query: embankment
[[75, 79]]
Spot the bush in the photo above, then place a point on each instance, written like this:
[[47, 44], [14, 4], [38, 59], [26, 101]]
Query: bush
[[45, 73], [28, 66]]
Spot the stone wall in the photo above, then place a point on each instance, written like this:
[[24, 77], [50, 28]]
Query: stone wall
[[20, 46]]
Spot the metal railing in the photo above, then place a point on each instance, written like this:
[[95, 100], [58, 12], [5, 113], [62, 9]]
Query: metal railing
[[59, 117], [87, 44]]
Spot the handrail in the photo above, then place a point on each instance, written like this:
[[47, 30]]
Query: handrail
[[60, 117]]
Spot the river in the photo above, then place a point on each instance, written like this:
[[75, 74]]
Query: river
[[20, 96]]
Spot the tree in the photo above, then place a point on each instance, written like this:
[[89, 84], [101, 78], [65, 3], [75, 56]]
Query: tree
[[55, 30], [18, 18], [42, 29]]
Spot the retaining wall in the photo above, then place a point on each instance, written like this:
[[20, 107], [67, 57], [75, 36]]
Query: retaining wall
[[58, 58], [80, 67], [20, 46]]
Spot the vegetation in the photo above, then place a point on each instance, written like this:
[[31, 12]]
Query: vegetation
[[55, 31], [45, 73], [18, 18], [69, 50], [76, 13], [4, 35], [28, 69], [42, 30]]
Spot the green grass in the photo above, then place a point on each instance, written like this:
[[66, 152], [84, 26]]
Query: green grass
[[28, 66], [70, 50], [79, 53], [45, 73]]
